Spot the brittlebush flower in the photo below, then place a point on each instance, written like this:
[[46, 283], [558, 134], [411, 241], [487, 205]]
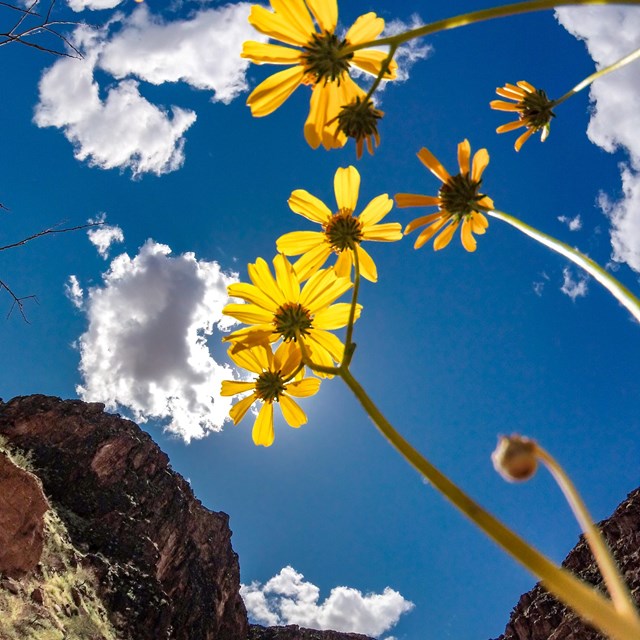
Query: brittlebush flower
[[342, 232], [315, 53], [458, 200], [280, 308], [359, 120], [533, 109], [275, 382]]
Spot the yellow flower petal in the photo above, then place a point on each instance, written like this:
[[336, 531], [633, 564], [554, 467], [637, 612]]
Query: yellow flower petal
[[292, 412], [297, 242], [388, 232], [367, 265], [464, 154], [286, 278], [445, 237], [371, 60], [479, 223], [319, 355], [250, 293], [522, 139], [480, 162], [415, 200], [510, 126], [422, 220], [468, 241], [273, 91], [311, 261], [263, 434], [287, 358], [325, 12], [511, 94], [248, 313], [523, 84], [255, 359], [326, 292], [334, 317], [343, 264], [317, 118], [366, 27], [375, 211], [486, 202], [430, 231], [312, 208], [433, 164], [280, 26], [231, 387], [241, 407], [259, 52], [500, 105], [261, 277], [304, 388], [327, 341], [346, 184]]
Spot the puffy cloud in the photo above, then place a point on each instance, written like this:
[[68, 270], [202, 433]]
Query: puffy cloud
[[410, 52], [574, 224], [145, 348], [289, 599], [574, 288], [609, 34], [81, 5], [104, 235], [203, 51], [74, 292]]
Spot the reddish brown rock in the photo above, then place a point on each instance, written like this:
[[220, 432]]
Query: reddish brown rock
[[22, 507], [166, 564], [294, 632], [539, 616]]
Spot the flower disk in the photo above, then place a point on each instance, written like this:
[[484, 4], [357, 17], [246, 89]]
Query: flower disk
[[458, 200]]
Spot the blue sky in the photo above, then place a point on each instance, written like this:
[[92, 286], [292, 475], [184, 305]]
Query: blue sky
[[150, 133]]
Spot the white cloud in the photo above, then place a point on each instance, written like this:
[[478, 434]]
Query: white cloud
[[145, 347], [74, 292], [203, 51], [574, 288], [81, 5], [609, 34], [574, 224], [410, 52], [289, 599], [104, 235]]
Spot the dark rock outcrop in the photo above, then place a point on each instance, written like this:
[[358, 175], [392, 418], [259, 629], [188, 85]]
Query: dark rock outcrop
[[22, 507], [539, 616], [165, 562], [294, 632]]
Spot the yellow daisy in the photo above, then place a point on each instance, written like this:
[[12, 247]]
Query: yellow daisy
[[458, 200], [533, 109], [280, 308], [315, 53], [276, 380], [342, 232]]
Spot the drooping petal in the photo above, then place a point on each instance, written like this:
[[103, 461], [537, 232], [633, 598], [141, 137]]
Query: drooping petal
[[259, 52], [317, 118], [468, 241], [480, 162], [479, 223], [486, 203], [304, 388], [430, 231], [325, 12], [510, 126], [346, 184], [445, 237], [287, 358], [367, 265], [388, 232], [415, 200], [263, 433], [311, 261], [248, 313], [375, 210], [319, 355], [280, 25], [343, 264], [292, 412], [273, 91], [231, 387], [297, 242], [371, 61], [334, 317], [286, 278], [328, 341], [522, 139], [240, 408], [312, 208], [433, 164], [423, 220], [464, 154], [338, 94], [367, 27]]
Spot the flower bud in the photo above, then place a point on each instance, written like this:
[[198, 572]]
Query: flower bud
[[515, 458]]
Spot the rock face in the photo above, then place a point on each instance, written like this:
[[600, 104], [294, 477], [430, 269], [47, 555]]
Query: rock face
[[294, 632], [166, 563], [22, 507], [539, 616]]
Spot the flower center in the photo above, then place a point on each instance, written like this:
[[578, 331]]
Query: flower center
[[269, 386], [459, 195], [292, 319], [322, 57], [535, 109], [343, 230]]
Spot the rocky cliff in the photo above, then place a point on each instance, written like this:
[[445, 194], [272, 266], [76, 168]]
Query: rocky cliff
[[539, 616], [136, 555]]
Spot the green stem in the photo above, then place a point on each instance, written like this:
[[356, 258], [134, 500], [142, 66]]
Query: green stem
[[634, 55], [615, 585], [618, 290], [349, 347], [584, 599], [383, 71], [477, 16]]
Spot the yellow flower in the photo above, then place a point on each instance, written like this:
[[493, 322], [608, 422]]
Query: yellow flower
[[280, 308], [317, 58], [275, 382], [458, 200], [533, 109], [342, 232]]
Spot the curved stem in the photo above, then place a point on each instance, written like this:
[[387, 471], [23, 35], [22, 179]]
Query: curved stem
[[477, 16], [349, 347], [582, 598], [617, 289], [306, 358], [634, 55], [615, 585]]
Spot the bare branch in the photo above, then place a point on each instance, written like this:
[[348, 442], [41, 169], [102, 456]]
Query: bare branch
[[17, 302], [49, 231]]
